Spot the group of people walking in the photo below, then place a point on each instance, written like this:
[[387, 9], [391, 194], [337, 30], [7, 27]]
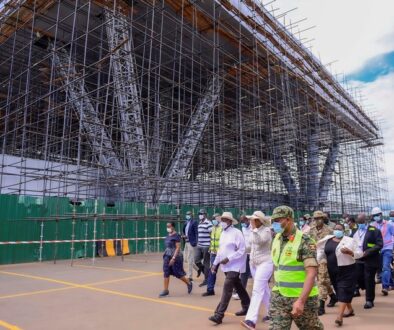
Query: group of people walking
[[295, 267]]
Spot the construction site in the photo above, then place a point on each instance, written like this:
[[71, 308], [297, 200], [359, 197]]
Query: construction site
[[117, 116]]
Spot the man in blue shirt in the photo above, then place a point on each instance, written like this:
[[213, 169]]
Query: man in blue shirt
[[386, 254]]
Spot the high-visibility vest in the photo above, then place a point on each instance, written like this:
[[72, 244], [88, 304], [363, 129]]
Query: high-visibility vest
[[289, 273], [215, 237]]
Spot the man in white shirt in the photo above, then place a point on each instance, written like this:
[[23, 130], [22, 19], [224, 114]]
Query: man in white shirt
[[246, 231], [232, 258]]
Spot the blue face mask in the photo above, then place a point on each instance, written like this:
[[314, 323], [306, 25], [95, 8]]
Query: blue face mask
[[302, 223], [188, 217], [215, 222], [244, 225], [362, 226], [277, 227], [338, 233], [377, 218]]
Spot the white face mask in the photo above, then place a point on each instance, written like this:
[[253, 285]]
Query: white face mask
[[224, 225], [169, 230], [201, 216]]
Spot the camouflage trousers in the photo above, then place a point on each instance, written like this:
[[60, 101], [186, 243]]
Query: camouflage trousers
[[280, 312], [323, 282]]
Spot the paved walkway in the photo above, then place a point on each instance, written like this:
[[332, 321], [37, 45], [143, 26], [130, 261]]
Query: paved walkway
[[111, 294]]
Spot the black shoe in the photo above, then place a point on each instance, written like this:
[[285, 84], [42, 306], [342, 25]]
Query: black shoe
[[333, 300], [164, 293], [190, 287], [190, 279], [208, 293], [215, 319], [385, 292], [339, 323], [204, 283], [369, 305], [242, 312], [357, 293], [322, 310]]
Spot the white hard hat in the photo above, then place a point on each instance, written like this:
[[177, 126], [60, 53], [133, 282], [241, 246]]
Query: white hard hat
[[376, 210]]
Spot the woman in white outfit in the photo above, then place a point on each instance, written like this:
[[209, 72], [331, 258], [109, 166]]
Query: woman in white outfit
[[261, 267]]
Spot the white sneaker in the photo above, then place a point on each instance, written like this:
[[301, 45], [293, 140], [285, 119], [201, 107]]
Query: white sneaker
[[235, 296]]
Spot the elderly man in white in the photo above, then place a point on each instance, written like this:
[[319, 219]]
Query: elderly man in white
[[261, 267], [231, 256], [340, 253]]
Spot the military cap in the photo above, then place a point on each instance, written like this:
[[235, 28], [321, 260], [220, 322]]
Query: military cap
[[319, 214], [282, 212]]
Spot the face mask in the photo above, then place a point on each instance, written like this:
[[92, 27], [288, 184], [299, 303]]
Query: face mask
[[361, 226], [244, 225], [188, 217], [277, 227], [392, 219], [224, 225], [169, 230], [302, 223], [377, 218], [201, 217], [338, 233], [215, 222]]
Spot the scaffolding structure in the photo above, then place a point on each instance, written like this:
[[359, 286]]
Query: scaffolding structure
[[197, 102]]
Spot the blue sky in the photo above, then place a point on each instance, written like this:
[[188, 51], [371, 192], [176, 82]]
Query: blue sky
[[357, 36], [374, 68]]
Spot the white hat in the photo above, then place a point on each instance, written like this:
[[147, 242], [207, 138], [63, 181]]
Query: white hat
[[257, 215], [376, 210], [229, 215], [265, 221]]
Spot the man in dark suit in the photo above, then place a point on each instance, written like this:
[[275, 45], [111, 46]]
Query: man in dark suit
[[190, 235], [370, 240]]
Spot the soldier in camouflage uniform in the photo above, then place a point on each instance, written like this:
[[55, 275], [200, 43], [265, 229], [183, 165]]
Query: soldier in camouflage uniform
[[294, 296], [318, 231]]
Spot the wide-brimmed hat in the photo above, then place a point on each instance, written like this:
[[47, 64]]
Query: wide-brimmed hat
[[257, 215], [229, 215]]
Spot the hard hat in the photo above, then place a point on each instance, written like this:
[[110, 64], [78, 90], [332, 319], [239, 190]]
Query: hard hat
[[376, 210]]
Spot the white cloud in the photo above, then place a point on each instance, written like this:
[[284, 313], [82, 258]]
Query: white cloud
[[353, 31], [349, 31], [380, 93]]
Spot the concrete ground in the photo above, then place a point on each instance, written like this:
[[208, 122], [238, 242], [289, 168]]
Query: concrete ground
[[111, 294]]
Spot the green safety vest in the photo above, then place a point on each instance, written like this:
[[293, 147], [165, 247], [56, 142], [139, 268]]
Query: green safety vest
[[215, 237], [289, 273]]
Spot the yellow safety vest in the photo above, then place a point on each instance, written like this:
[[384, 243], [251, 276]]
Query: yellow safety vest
[[289, 273], [215, 237]]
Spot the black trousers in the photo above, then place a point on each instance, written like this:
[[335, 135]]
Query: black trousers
[[232, 281], [366, 280]]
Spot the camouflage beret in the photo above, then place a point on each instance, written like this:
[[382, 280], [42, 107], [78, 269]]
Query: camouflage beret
[[282, 212]]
